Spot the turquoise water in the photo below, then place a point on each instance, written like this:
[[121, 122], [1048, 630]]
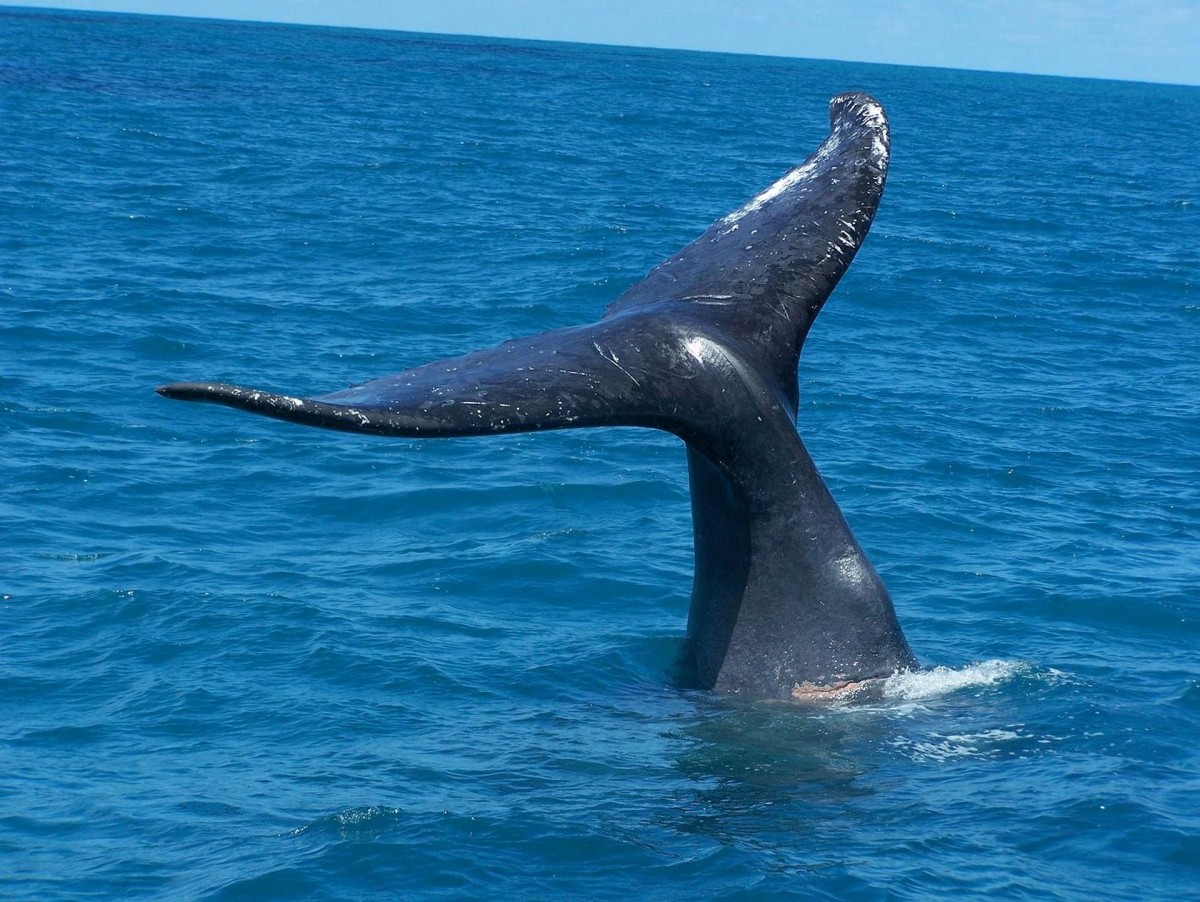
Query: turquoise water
[[245, 660]]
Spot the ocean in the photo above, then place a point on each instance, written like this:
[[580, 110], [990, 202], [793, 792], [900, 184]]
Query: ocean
[[246, 660]]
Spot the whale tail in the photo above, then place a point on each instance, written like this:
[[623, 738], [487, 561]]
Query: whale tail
[[706, 346], [759, 276]]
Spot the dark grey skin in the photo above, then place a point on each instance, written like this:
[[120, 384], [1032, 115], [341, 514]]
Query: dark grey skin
[[784, 602]]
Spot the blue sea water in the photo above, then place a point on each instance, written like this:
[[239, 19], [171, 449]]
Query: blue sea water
[[245, 660]]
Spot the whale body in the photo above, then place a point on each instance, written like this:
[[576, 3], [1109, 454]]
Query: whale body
[[784, 601]]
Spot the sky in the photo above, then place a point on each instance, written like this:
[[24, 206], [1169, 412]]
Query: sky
[[1136, 40]]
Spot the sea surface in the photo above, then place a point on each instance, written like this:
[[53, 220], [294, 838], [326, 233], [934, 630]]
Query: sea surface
[[241, 659]]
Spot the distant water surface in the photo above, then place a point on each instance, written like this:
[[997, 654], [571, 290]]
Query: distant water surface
[[244, 660]]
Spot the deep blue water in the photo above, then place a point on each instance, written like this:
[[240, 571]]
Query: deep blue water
[[246, 660]]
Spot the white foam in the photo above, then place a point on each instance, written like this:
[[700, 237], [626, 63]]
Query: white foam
[[982, 744], [912, 685]]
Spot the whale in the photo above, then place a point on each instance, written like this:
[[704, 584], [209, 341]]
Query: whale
[[784, 602]]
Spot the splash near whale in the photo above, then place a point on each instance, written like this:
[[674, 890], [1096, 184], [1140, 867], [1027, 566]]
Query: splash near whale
[[784, 601]]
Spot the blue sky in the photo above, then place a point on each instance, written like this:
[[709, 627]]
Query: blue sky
[[1140, 40]]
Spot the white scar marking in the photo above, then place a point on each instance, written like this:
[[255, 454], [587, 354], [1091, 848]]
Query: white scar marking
[[795, 177], [870, 115], [615, 361]]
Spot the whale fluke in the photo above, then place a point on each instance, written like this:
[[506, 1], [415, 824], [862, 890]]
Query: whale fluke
[[706, 346]]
